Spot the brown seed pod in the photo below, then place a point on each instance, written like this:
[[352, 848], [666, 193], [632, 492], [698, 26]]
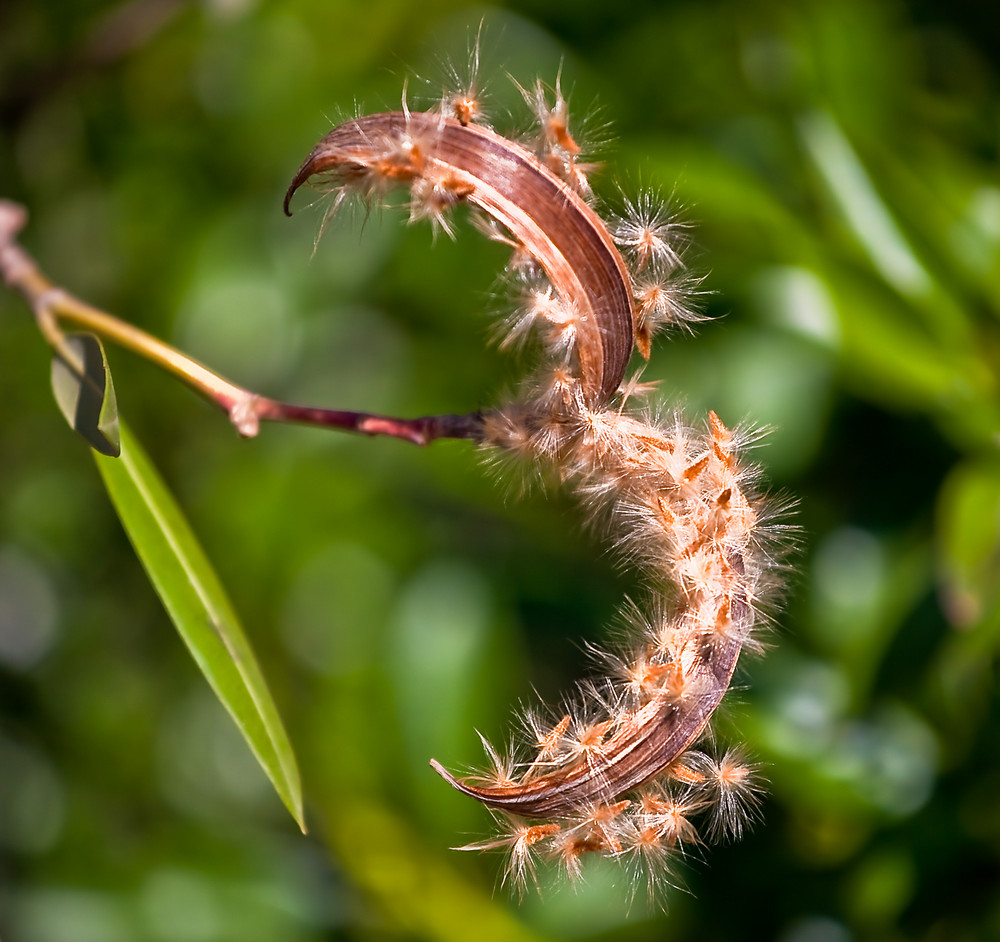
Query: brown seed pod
[[618, 774], [544, 216]]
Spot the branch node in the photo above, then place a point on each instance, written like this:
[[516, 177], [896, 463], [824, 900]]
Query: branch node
[[245, 416], [48, 300]]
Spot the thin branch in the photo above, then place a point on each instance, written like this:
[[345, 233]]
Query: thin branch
[[246, 409]]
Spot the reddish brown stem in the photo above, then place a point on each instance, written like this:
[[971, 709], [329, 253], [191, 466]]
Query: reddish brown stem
[[419, 431], [246, 409]]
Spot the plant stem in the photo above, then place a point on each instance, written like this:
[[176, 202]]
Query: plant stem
[[246, 409]]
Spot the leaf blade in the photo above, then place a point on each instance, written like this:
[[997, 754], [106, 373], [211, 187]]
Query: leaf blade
[[201, 612]]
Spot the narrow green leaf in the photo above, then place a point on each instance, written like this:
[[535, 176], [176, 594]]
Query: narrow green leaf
[[196, 602], [969, 545], [968, 540], [870, 220], [81, 382]]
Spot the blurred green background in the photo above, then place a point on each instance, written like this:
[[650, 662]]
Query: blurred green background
[[839, 161]]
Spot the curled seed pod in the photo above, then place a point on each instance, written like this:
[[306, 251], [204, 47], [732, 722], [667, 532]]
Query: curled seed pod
[[554, 226], [618, 773]]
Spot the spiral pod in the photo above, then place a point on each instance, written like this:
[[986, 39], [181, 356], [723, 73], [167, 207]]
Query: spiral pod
[[620, 772]]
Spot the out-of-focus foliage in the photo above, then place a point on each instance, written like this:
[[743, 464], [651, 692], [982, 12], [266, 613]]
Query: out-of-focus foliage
[[839, 160]]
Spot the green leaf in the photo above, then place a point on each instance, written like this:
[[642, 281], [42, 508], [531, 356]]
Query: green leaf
[[968, 538], [969, 542], [196, 602], [81, 382], [863, 209]]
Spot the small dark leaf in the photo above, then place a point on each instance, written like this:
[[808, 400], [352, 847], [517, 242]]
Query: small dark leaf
[[81, 382]]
